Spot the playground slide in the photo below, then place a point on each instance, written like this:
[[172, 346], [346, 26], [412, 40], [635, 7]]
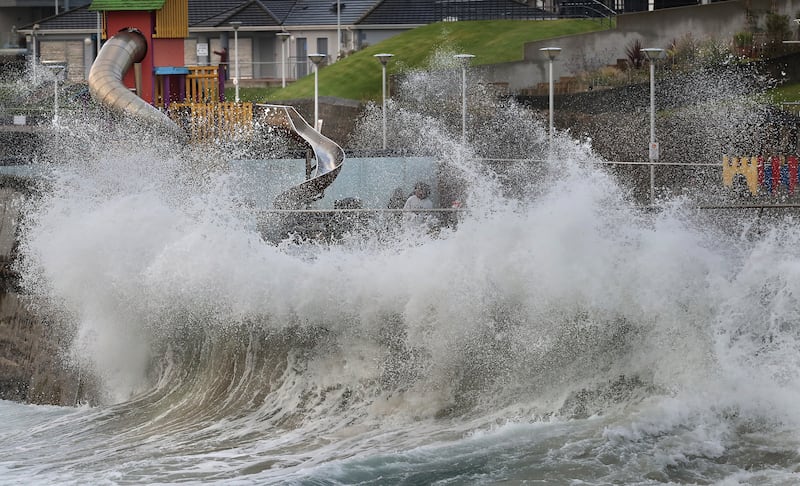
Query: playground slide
[[329, 156], [118, 54], [128, 47]]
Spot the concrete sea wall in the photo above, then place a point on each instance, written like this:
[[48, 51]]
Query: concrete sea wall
[[31, 365]]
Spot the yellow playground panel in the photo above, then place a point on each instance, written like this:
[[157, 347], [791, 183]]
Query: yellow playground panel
[[776, 175], [208, 122], [747, 166]]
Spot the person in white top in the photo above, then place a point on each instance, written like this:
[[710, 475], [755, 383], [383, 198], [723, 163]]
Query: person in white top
[[419, 199]]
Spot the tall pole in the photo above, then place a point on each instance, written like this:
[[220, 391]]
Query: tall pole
[[338, 30], [284, 36], [384, 59], [652, 130], [552, 53], [316, 59], [316, 96], [99, 33], [56, 69], [653, 54], [35, 32], [236, 26], [464, 59], [552, 106], [463, 105], [383, 102], [55, 96], [283, 63]]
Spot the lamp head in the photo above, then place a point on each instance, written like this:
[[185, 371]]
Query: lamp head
[[653, 53], [283, 36], [384, 57], [464, 59], [552, 52], [235, 24], [316, 58]]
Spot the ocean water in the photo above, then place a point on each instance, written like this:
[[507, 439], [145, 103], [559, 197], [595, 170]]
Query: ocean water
[[561, 333]]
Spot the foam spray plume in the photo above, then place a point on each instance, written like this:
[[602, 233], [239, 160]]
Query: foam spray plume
[[560, 330]]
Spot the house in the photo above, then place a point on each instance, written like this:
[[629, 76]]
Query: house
[[273, 37]]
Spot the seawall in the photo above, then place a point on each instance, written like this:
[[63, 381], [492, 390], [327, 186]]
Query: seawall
[[31, 369]]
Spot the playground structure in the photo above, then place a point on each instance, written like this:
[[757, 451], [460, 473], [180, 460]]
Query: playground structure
[[159, 90], [762, 175]]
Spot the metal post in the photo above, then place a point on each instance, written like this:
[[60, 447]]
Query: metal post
[[463, 105], [316, 96], [338, 30], [653, 54], [652, 130], [99, 33], [56, 68], [55, 97], [464, 59], [552, 53], [552, 103], [384, 59], [35, 32], [236, 26], [284, 36], [383, 102], [316, 59]]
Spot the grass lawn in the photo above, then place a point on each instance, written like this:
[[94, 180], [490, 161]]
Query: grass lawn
[[358, 76], [786, 93]]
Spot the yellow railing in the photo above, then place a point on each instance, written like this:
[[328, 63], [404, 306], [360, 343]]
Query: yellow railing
[[208, 122], [202, 84]]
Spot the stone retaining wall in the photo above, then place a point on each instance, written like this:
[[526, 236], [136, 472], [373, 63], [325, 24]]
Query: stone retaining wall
[[31, 369]]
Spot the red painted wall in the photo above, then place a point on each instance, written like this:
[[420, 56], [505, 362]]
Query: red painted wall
[[168, 52], [145, 23]]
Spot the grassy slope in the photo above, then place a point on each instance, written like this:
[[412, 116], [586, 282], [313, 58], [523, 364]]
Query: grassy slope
[[358, 76]]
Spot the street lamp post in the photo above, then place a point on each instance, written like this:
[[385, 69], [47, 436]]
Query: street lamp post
[[464, 60], [284, 36], [552, 53], [653, 54], [384, 59], [338, 30], [236, 24], [316, 59], [56, 68], [35, 32]]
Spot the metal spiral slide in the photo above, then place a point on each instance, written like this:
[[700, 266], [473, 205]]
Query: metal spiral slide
[[128, 47], [329, 156]]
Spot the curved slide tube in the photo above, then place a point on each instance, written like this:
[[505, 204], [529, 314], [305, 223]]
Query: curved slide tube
[[118, 54], [328, 153]]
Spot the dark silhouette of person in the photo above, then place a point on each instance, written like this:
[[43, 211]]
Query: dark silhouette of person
[[223, 60]]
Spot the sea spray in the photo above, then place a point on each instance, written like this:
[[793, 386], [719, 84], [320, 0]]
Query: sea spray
[[561, 329]]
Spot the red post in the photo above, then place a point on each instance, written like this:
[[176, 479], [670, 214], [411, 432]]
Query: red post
[[792, 162], [776, 173]]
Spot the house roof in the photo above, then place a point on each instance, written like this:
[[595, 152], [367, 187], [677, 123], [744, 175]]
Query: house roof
[[115, 5], [323, 12], [276, 13], [249, 13], [427, 11], [80, 18]]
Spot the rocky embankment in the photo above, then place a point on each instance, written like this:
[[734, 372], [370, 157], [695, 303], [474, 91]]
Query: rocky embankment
[[31, 369]]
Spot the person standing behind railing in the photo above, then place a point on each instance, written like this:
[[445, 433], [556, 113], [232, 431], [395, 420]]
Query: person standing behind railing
[[418, 200], [223, 61]]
